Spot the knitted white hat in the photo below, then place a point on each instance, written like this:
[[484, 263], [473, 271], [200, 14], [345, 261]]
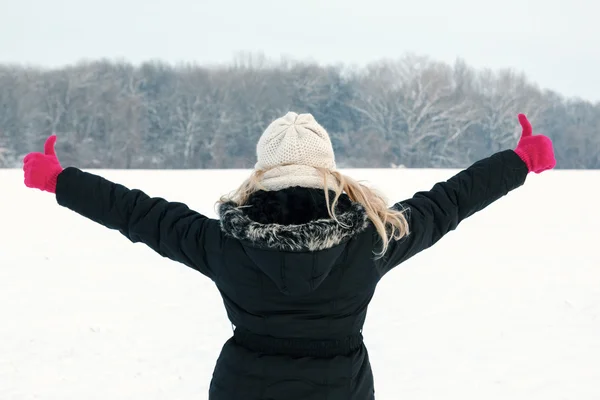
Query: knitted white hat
[[290, 148]]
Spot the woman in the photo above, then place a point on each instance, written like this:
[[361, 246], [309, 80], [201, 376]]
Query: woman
[[296, 265]]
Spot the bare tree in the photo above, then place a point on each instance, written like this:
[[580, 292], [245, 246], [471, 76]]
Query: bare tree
[[500, 97], [434, 113]]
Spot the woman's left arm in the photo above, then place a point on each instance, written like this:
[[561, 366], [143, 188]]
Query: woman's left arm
[[169, 228]]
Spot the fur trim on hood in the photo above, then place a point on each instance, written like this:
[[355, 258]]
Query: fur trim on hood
[[293, 219]]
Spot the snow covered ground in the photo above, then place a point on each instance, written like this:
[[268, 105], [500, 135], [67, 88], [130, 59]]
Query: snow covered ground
[[506, 307]]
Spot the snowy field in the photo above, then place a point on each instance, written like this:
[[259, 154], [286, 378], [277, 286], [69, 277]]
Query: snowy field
[[506, 307]]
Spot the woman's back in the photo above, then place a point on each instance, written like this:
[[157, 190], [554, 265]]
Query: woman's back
[[313, 281], [296, 287]]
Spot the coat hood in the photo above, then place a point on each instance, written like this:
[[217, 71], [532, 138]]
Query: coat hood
[[290, 236]]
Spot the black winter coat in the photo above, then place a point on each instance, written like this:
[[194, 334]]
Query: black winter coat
[[296, 285]]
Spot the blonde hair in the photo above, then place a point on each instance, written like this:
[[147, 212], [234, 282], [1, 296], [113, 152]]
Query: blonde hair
[[390, 224]]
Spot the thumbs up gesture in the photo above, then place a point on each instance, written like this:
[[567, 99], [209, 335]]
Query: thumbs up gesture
[[42, 169], [535, 150]]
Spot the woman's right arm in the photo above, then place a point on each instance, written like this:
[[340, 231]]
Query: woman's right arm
[[433, 214]]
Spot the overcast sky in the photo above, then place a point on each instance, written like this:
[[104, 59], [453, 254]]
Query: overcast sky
[[556, 42]]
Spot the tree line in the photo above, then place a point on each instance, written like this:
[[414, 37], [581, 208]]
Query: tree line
[[412, 111]]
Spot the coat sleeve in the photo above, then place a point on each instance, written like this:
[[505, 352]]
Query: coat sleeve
[[169, 228], [434, 213]]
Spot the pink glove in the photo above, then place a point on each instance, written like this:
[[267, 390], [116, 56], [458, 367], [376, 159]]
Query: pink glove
[[536, 151], [42, 170]]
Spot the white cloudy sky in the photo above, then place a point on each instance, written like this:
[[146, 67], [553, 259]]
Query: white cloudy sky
[[556, 42]]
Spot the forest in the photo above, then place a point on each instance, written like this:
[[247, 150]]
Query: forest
[[411, 111]]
